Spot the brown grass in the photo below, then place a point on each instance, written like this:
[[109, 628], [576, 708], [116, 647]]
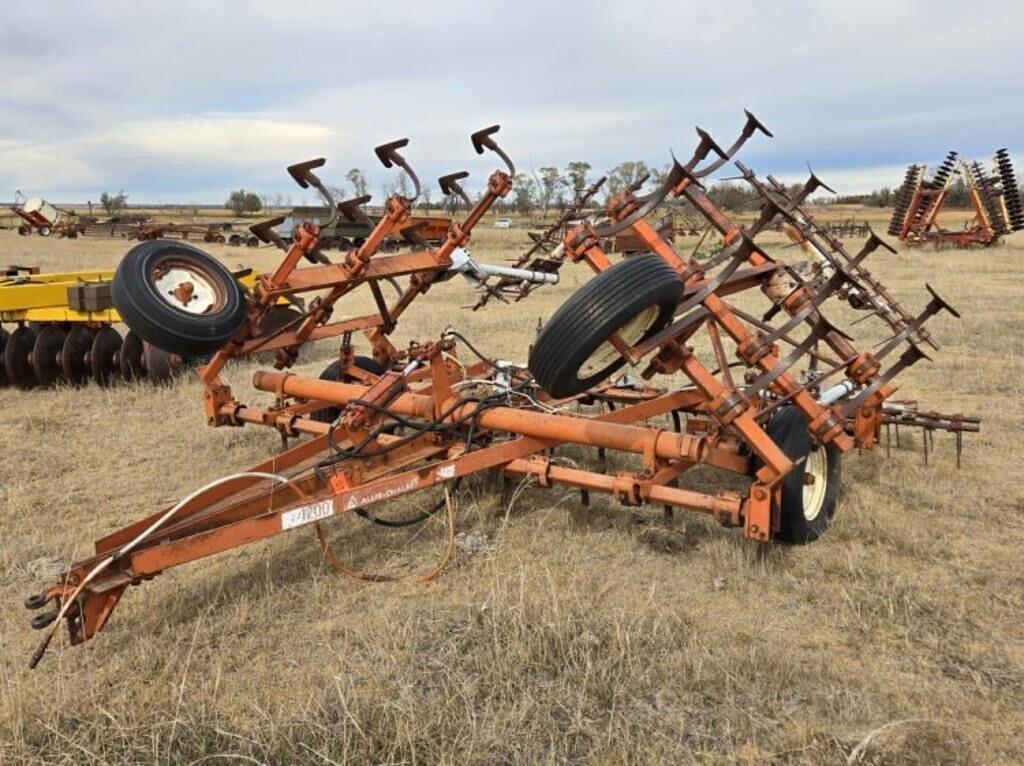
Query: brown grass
[[896, 639]]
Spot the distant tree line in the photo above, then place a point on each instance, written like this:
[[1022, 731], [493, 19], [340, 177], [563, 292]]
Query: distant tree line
[[886, 197], [553, 189]]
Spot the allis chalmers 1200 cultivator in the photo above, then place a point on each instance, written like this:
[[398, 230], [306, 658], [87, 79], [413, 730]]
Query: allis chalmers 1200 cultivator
[[423, 418]]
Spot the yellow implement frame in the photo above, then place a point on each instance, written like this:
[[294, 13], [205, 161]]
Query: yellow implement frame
[[44, 297]]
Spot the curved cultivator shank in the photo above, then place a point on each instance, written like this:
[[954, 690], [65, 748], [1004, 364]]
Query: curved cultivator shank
[[776, 398]]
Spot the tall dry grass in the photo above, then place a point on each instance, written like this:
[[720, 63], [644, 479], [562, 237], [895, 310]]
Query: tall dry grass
[[896, 639]]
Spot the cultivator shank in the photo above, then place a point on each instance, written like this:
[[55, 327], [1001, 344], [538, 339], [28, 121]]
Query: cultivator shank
[[431, 415]]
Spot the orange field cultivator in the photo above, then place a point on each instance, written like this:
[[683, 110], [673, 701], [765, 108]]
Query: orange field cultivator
[[775, 403]]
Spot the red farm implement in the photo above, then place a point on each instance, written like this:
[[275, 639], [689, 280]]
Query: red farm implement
[[776, 403]]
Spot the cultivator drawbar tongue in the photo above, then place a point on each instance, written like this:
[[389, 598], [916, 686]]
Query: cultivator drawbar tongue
[[380, 428]]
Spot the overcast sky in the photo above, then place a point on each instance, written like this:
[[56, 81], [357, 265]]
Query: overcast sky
[[182, 101]]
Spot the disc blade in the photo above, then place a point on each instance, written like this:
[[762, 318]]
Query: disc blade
[[17, 353], [160, 365], [73, 355], [4, 335], [103, 356], [130, 358], [276, 318], [46, 355]]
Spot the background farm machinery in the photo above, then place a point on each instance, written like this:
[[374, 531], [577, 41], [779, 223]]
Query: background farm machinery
[[993, 195], [424, 418], [40, 217], [62, 331]]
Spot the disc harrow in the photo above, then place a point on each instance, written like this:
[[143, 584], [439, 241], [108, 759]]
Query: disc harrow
[[778, 401], [994, 198], [63, 332]]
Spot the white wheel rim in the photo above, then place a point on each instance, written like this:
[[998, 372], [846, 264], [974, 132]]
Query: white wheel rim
[[631, 333], [815, 472], [201, 298]]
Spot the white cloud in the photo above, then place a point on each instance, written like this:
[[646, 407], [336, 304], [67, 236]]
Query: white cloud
[[111, 94]]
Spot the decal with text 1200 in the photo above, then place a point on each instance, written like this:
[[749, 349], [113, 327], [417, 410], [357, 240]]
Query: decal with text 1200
[[307, 514]]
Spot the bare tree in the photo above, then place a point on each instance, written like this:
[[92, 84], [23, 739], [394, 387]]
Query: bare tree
[[547, 184], [624, 175], [576, 173], [524, 190], [113, 203], [358, 180]]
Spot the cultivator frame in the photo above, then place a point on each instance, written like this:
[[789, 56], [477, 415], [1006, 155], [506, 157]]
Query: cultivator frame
[[359, 459]]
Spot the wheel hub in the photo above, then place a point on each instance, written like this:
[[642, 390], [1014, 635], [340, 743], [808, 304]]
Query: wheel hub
[[187, 289], [815, 483], [630, 333]]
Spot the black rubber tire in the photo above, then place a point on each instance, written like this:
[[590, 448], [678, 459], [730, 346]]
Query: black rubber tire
[[4, 335], [788, 429], [593, 313], [364, 363], [163, 325]]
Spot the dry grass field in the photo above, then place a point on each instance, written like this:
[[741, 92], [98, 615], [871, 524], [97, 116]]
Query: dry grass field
[[895, 639]]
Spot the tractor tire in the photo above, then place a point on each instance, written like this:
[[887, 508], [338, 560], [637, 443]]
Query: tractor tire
[[635, 297], [364, 363], [193, 324], [807, 508], [45, 231]]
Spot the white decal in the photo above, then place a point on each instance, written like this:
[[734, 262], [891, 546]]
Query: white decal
[[366, 498], [446, 471], [306, 514]]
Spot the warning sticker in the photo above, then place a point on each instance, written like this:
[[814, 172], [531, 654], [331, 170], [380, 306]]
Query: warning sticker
[[446, 471], [307, 514]]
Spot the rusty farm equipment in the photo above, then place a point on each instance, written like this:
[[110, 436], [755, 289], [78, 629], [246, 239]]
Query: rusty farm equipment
[[993, 195], [63, 331], [40, 217], [348, 228], [707, 383]]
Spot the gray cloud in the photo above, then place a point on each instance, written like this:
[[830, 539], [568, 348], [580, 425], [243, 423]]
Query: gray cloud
[[182, 102]]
